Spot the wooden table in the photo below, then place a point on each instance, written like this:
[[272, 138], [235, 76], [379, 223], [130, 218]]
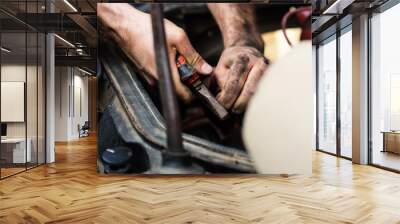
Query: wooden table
[[14, 148], [391, 141]]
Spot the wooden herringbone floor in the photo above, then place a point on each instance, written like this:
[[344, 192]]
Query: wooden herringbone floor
[[70, 191]]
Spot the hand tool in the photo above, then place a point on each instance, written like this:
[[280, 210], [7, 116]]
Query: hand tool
[[192, 79]]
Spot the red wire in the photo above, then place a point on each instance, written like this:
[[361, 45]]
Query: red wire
[[286, 17]]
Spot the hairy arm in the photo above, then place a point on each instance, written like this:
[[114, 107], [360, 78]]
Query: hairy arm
[[115, 18], [237, 24], [132, 30], [242, 62]]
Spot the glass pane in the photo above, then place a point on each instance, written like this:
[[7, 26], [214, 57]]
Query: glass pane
[[23, 82], [32, 89], [41, 99], [346, 93], [13, 86], [31, 100], [386, 89], [327, 96]]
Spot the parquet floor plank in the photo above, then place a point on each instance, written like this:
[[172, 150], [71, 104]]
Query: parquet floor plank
[[71, 191]]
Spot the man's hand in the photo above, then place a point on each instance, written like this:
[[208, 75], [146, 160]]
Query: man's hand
[[242, 63], [238, 73], [132, 30]]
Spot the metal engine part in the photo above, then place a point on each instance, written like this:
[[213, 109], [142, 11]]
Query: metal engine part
[[136, 120]]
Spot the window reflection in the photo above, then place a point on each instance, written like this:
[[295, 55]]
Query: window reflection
[[327, 96], [346, 94], [22, 90], [386, 89]]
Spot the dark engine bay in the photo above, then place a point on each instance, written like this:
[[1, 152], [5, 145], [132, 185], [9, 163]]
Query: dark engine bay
[[131, 135]]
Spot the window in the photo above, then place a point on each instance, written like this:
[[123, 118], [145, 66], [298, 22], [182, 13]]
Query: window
[[327, 96], [22, 77], [385, 89], [346, 92]]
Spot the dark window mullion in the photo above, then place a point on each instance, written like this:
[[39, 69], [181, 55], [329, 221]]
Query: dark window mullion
[[37, 90], [44, 72], [338, 91], [26, 86], [370, 91], [317, 95]]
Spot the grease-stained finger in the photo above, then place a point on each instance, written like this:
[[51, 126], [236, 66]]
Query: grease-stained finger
[[250, 86], [237, 75]]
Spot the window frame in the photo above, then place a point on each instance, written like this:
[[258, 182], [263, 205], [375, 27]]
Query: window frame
[[27, 29], [333, 37], [378, 10]]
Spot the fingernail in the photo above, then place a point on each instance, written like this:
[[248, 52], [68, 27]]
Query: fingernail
[[206, 68]]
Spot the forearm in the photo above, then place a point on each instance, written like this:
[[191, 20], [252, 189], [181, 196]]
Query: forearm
[[116, 18], [237, 24]]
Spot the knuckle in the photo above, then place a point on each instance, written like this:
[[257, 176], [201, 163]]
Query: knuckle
[[221, 99], [261, 63], [243, 69], [243, 57], [225, 99], [250, 92]]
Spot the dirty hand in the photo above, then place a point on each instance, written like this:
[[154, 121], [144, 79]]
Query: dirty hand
[[237, 74], [242, 63], [132, 30]]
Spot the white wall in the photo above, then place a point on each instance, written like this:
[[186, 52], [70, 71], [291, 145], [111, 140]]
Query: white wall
[[33, 127], [70, 84], [62, 80], [13, 101], [80, 109], [12, 73]]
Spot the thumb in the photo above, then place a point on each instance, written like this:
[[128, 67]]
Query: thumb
[[193, 58]]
